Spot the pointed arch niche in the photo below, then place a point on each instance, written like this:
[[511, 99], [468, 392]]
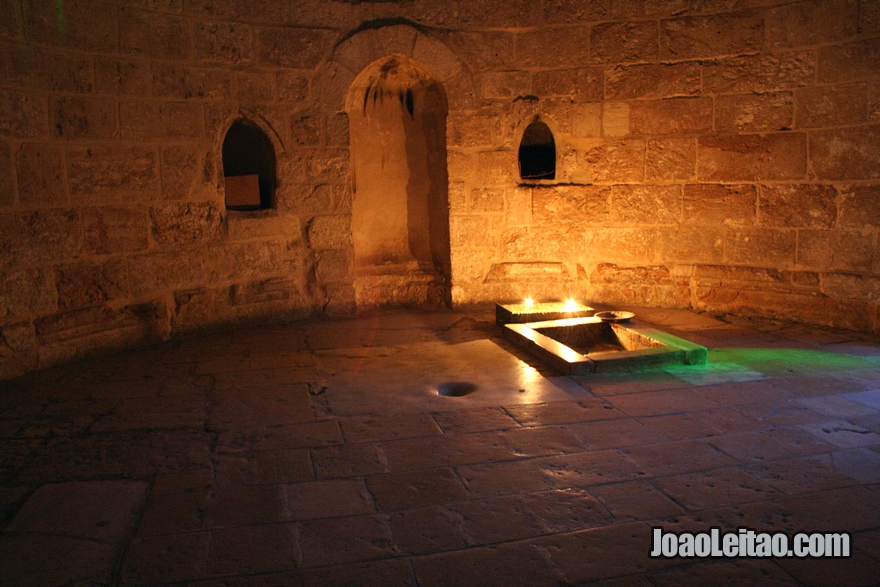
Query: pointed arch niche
[[400, 219]]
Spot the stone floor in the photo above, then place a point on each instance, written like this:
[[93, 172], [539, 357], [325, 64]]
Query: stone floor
[[321, 454]]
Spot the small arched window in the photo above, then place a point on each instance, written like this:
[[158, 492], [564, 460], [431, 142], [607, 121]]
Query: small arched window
[[248, 167], [537, 152]]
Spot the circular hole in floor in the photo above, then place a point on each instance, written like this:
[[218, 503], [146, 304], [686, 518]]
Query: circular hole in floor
[[456, 388]]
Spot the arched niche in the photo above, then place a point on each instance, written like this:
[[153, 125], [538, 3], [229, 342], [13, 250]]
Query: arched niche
[[537, 152], [249, 167], [400, 219]]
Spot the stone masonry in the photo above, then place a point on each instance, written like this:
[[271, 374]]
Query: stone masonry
[[721, 156]]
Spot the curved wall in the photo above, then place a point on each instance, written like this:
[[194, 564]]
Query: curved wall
[[708, 158]]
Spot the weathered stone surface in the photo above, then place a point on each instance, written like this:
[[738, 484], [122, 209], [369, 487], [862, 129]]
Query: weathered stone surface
[[29, 238], [754, 112], [850, 62], [292, 87], [719, 204], [177, 224], [127, 77], [860, 207], [184, 83], [843, 285], [620, 245], [812, 22], [752, 157], [115, 229], [624, 42], [307, 129], [834, 106], [563, 205], [330, 232], [586, 120], [7, 176], [473, 131], [646, 204], [615, 161], [111, 173], [303, 50], [262, 291], [18, 349], [484, 50], [255, 86], [497, 167], [583, 84], [672, 116], [155, 35], [40, 172], [615, 119], [159, 121], [761, 247], [88, 283], [708, 36], [566, 11], [671, 159], [467, 231], [82, 118], [188, 172], [759, 73], [566, 47], [488, 200], [505, 84], [691, 244], [23, 116], [335, 266], [654, 80], [27, 293], [798, 206], [47, 70], [516, 13], [834, 250], [437, 57], [850, 153], [261, 225], [224, 42], [91, 28]]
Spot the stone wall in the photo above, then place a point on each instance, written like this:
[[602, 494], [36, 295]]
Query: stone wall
[[715, 155]]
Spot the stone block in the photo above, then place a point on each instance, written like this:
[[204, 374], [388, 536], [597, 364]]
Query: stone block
[[625, 245], [847, 153], [759, 73], [671, 116], [458, 198], [159, 36], [263, 291], [730, 205], [264, 224], [159, 121], [568, 11], [812, 22], [292, 87], [645, 204], [177, 224], [850, 62], [87, 283], [761, 247], [23, 116], [505, 84], [179, 82], [564, 205], [40, 172], [164, 271], [860, 207], [295, 48], [615, 119], [692, 244], [522, 244], [483, 50], [488, 199], [652, 80], [108, 173], [519, 207], [460, 165], [514, 13], [437, 57], [849, 286], [18, 349], [126, 77], [188, 172], [255, 86], [797, 206], [752, 157], [82, 118], [497, 167], [470, 231], [624, 42], [7, 176], [39, 237], [83, 25], [112, 230], [335, 266], [615, 161], [337, 130], [27, 293], [329, 232], [473, 130], [307, 129], [46, 69], [709, 36], [754, 112], [564, 47], [582, 85], [586, 120], [834, 250], [832, 106], [671, 159], [223, 42]]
